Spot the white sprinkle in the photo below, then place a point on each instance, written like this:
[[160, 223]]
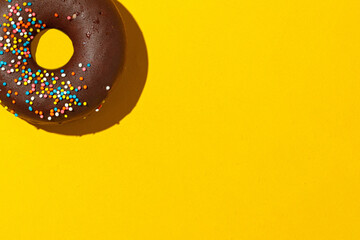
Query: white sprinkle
[[57, 114], [80, 65], [32, 98], [63, 75], [70, 109], [107, 88], [1, 38], [49, 118]]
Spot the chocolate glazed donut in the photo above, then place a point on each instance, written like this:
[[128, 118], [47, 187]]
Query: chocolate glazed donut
[[44, 96]]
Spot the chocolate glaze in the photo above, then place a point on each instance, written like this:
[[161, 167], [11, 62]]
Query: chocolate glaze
[[98, 37]]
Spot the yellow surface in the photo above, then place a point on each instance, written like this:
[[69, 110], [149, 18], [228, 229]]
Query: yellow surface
[[53, 49], [248, 128]]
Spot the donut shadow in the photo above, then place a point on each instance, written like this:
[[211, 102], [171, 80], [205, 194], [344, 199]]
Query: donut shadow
[[126, 92]]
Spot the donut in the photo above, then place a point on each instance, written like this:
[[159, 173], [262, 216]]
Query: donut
[[44, 96]]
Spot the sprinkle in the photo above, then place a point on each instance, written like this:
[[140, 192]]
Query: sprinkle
[[19, 30]]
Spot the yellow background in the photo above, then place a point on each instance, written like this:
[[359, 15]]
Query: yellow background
[[248, 128]]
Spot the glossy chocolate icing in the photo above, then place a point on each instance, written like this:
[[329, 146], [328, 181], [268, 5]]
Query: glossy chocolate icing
[[97, 32]]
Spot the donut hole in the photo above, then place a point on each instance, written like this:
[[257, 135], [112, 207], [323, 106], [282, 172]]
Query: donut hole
[[52, 49]]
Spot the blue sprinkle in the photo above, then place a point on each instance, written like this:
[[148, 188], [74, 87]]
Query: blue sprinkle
[[4, 84], [30, 109]]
